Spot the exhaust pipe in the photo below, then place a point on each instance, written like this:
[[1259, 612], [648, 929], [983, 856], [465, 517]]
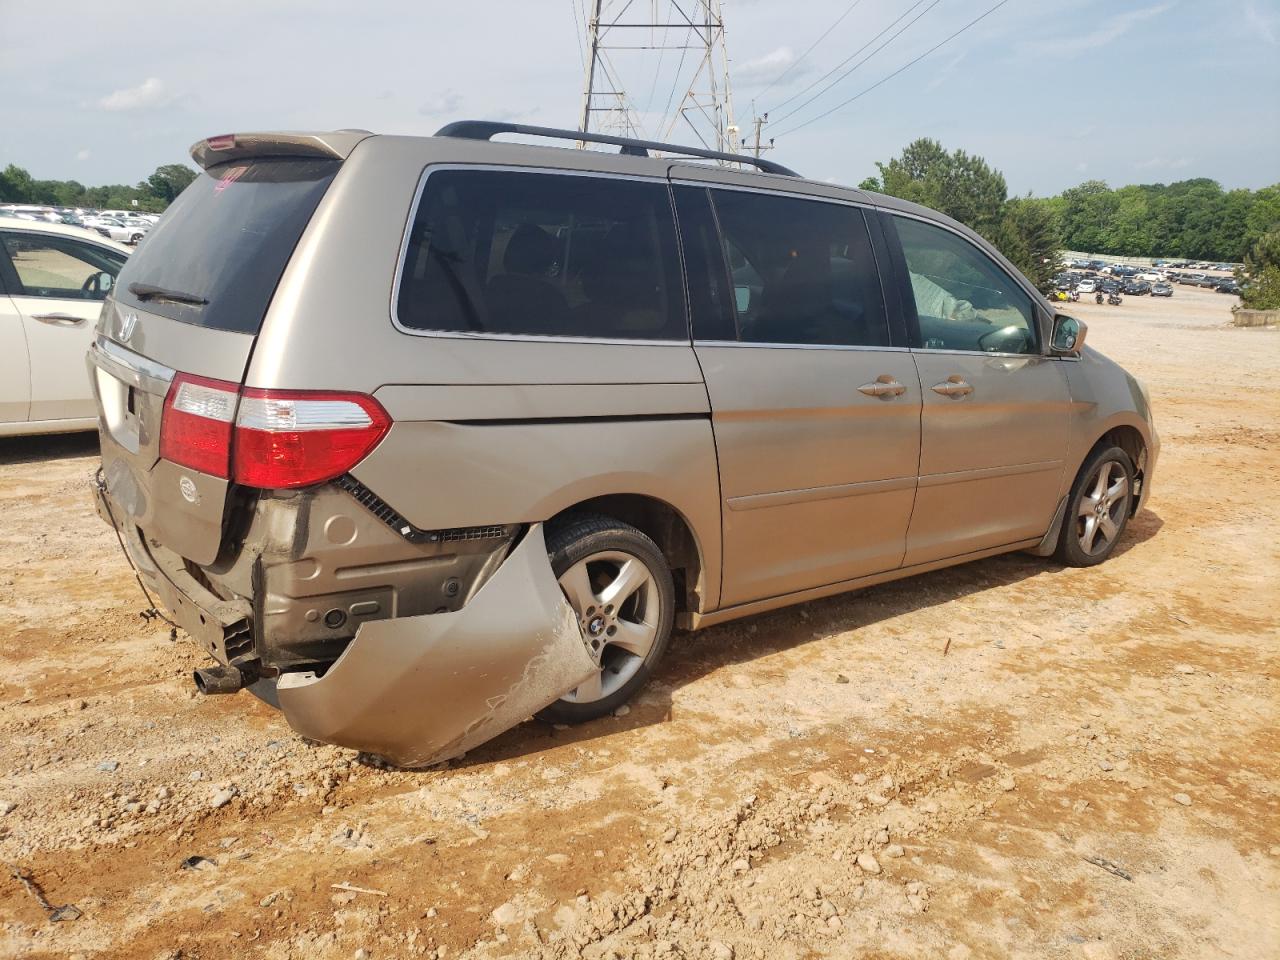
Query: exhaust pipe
[[220, 679]]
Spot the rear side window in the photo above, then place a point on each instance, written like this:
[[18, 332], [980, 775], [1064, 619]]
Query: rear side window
[[227, 240], [802, 271], [504, 252]]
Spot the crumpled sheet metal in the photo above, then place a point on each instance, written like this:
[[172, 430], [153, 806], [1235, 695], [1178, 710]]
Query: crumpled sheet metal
[[420, 690]]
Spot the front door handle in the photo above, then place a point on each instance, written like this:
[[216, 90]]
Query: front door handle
[[954, 387], [883, 387], [58, 319]]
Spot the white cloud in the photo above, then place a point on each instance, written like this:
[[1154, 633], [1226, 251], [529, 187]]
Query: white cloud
[[150, 93], [1119, 25], [1112, 30], [768, 68], [445, 102], [1259, 23], [1082, 166], [83, 154]]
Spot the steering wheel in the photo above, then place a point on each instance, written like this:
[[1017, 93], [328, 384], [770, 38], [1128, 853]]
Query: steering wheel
[[97, 284]]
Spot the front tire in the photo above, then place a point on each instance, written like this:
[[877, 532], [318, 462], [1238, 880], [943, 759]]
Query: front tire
[[1098, 509], [620, 586]]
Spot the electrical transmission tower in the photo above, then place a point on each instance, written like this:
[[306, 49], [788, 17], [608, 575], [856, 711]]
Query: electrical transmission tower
[[680, 42]]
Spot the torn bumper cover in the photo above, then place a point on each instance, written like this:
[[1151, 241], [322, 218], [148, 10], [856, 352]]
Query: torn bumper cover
[[419, 690]]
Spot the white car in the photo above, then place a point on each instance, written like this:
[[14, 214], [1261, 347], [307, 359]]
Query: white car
[[53, 279], [1086, 286], [123, 231], [1154, 276]]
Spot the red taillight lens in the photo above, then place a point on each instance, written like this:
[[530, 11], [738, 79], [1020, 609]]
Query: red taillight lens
[[269, 439], [196, 429], [294, 438]]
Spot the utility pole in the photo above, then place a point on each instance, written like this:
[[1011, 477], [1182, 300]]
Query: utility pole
[[687, 37], [758, 148]]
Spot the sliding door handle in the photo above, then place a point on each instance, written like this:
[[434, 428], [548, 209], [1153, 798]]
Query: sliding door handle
[[884, 388], [954, 387]]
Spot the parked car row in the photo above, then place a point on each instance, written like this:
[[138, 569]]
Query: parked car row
[[122, 226], [1209, 282]]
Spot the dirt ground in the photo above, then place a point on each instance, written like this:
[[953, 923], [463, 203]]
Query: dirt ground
[[1006, 759]]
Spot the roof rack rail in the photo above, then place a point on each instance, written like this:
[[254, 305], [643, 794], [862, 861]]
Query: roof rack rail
[[488, 129]]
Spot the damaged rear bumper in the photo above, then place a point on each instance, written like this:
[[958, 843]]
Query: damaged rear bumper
[[419, 690], [415, 689]]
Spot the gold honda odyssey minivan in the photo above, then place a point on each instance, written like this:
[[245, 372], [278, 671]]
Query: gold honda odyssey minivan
[[418, 437]]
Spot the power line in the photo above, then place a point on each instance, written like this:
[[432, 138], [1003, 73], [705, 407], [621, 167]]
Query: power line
[[829, 87], [910, 63], [794, 63], [675, 81], [801, 93], [577, 34]]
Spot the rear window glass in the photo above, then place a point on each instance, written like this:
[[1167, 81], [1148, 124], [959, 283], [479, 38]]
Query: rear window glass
[[501, 252], [227, 240]]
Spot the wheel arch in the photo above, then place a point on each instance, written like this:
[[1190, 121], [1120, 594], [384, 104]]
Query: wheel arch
[[669, 529]]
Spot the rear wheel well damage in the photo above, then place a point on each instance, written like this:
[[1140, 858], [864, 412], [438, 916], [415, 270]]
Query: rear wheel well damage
[[1130, 440], [665, 526]]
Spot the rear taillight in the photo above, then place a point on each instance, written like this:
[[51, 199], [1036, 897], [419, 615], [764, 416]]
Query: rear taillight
[[270, 439], [196, 429], [287, 438]]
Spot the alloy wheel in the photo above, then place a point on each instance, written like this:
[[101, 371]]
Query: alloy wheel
[[1102, 509], [618, 606]]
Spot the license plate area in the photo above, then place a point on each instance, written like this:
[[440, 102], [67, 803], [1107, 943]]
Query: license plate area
[[119, 409]]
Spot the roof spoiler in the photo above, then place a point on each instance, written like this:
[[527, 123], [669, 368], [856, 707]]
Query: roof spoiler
[[333, 145]]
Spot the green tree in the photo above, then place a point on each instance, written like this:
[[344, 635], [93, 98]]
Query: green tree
[[168, 181], [15, 185], [958, 184], [966, 188], [1029, 237], [1260, 276]]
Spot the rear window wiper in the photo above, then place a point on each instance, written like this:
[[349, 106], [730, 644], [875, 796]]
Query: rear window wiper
[[149, 291]]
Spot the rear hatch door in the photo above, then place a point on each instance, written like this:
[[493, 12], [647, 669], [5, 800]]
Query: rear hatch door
[[191, 301]]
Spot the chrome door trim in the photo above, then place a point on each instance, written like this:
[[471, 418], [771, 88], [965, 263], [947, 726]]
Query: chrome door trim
[[431, 168], [980, 353], [132, 368], [799, 346]]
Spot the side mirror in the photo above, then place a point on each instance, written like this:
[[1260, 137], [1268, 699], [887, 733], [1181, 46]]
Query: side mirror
[[1068, 336]]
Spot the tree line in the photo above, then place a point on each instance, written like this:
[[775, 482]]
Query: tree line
[[1194, 219], [153, 194]]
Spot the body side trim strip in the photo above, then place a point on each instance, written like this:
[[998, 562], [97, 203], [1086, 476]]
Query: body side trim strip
[[989, 473], [757, 501]]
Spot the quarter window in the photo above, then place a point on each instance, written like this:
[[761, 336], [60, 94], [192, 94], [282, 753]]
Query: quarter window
[[802, 271], [964, 301], [59, 268], [504, 252]]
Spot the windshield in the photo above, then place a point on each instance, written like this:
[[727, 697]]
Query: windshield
[[226, 241]]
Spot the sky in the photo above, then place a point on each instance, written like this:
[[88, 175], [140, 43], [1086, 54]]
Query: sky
[[1050, 92]]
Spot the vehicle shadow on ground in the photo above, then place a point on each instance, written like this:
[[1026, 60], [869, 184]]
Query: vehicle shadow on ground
[[692, 656], [37, 449]]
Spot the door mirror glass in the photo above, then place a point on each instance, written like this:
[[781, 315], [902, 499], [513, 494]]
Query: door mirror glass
[[1068, 334]]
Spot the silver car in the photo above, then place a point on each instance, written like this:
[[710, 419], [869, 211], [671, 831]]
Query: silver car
[[418, 437]]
